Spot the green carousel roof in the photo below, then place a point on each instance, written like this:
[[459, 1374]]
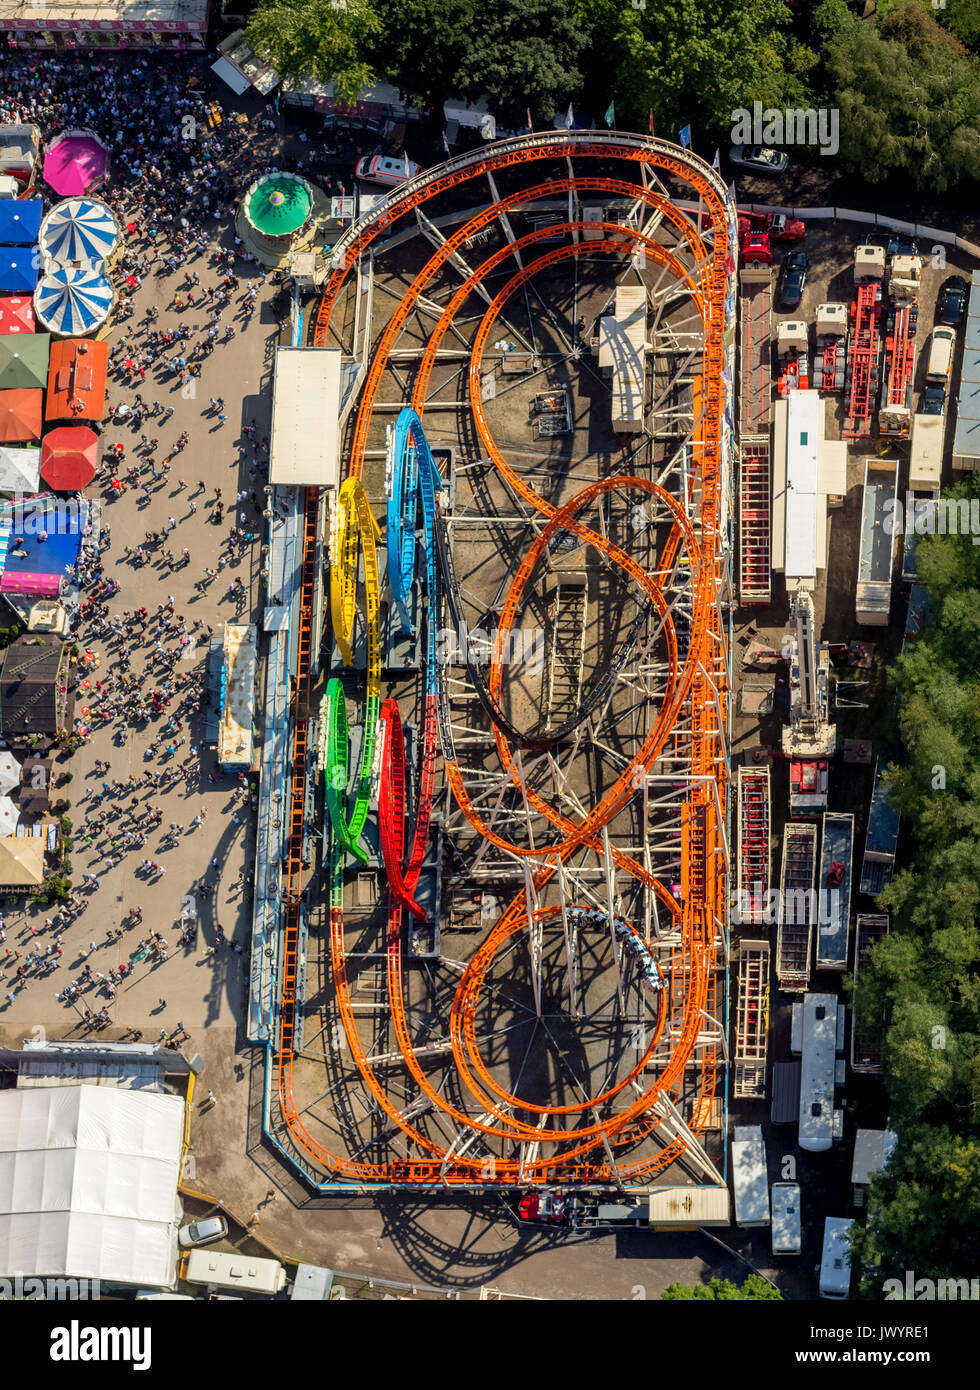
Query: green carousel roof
[[279, 205]]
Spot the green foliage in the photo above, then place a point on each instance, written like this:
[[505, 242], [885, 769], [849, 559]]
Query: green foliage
[[73, 742], [755, 1288], [908, 95], [522, 53], [698, 62], [56, 888], [66, 825], [318, 38], [924, 1211]]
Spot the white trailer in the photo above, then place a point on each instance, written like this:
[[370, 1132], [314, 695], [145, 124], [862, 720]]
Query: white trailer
[[876, 556], [234, 1272], [750, 1179], [926, 456], [818, 1071], [835, 1266], [787, 1223]]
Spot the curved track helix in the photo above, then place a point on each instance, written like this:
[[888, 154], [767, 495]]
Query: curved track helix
[[502, 1136]]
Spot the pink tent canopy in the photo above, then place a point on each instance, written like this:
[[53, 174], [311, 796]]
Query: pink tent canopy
[[44, 585], [75, 162]]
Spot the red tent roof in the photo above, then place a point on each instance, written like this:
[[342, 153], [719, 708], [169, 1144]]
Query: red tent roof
[[76, 379], [16, 314], [20, 414], [68, 457]]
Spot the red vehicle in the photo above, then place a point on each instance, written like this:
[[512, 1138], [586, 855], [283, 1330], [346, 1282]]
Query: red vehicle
[[754, 248], [544, 1207], [778, 226]]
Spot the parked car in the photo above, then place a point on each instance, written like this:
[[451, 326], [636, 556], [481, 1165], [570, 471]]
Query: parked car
[[545, 1207], [754, 249], [777, 224], [202, 1232], [951, 304], [894, 243], [934, 400], [794, 279], [382, 168], [759, 159]]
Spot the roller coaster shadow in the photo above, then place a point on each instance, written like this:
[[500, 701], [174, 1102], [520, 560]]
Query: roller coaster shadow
[[490, 1240]]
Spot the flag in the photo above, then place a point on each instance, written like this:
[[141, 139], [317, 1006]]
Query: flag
[[569, 117], [610, 117], [716, 162], [530, 123], [445, 143], [684, 136], [730, 195], [651, 120]]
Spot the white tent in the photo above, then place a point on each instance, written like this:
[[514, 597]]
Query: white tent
[[88, 1184], [9, 816], [20, 469], [9, 772]]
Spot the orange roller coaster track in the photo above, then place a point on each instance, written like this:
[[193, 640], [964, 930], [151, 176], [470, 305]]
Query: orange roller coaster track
[[581, 1139]]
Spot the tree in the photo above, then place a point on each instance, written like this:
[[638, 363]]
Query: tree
[[924, 1212], [754, 1288], [421, 46], [520, 54], [317, 38], [698, 61], [908, 95]]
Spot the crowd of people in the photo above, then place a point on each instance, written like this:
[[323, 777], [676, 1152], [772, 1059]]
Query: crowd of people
[[174, 184]]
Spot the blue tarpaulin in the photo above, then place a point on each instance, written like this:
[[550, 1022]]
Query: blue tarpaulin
[[18, 268], [20, 221]]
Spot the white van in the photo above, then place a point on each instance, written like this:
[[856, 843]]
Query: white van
[[381, 168], [941, 350], [235, 1272], [835, 1266], [787, 1227]]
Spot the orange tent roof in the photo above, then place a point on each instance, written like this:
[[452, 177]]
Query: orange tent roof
[[20, 414], [76, 380]]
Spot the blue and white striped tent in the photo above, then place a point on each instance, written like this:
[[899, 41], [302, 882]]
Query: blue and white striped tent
[[79, 231], [72, 301]]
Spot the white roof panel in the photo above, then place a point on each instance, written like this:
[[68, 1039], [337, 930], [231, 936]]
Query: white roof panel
[[88, 1183], [803, 421], [305, 448], [230, 74]]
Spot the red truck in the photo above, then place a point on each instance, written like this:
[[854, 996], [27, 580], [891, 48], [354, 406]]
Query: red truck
[[775, 224], [754, 248]]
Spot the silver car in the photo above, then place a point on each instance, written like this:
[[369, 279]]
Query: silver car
[[761, 159], [203, 1232]]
